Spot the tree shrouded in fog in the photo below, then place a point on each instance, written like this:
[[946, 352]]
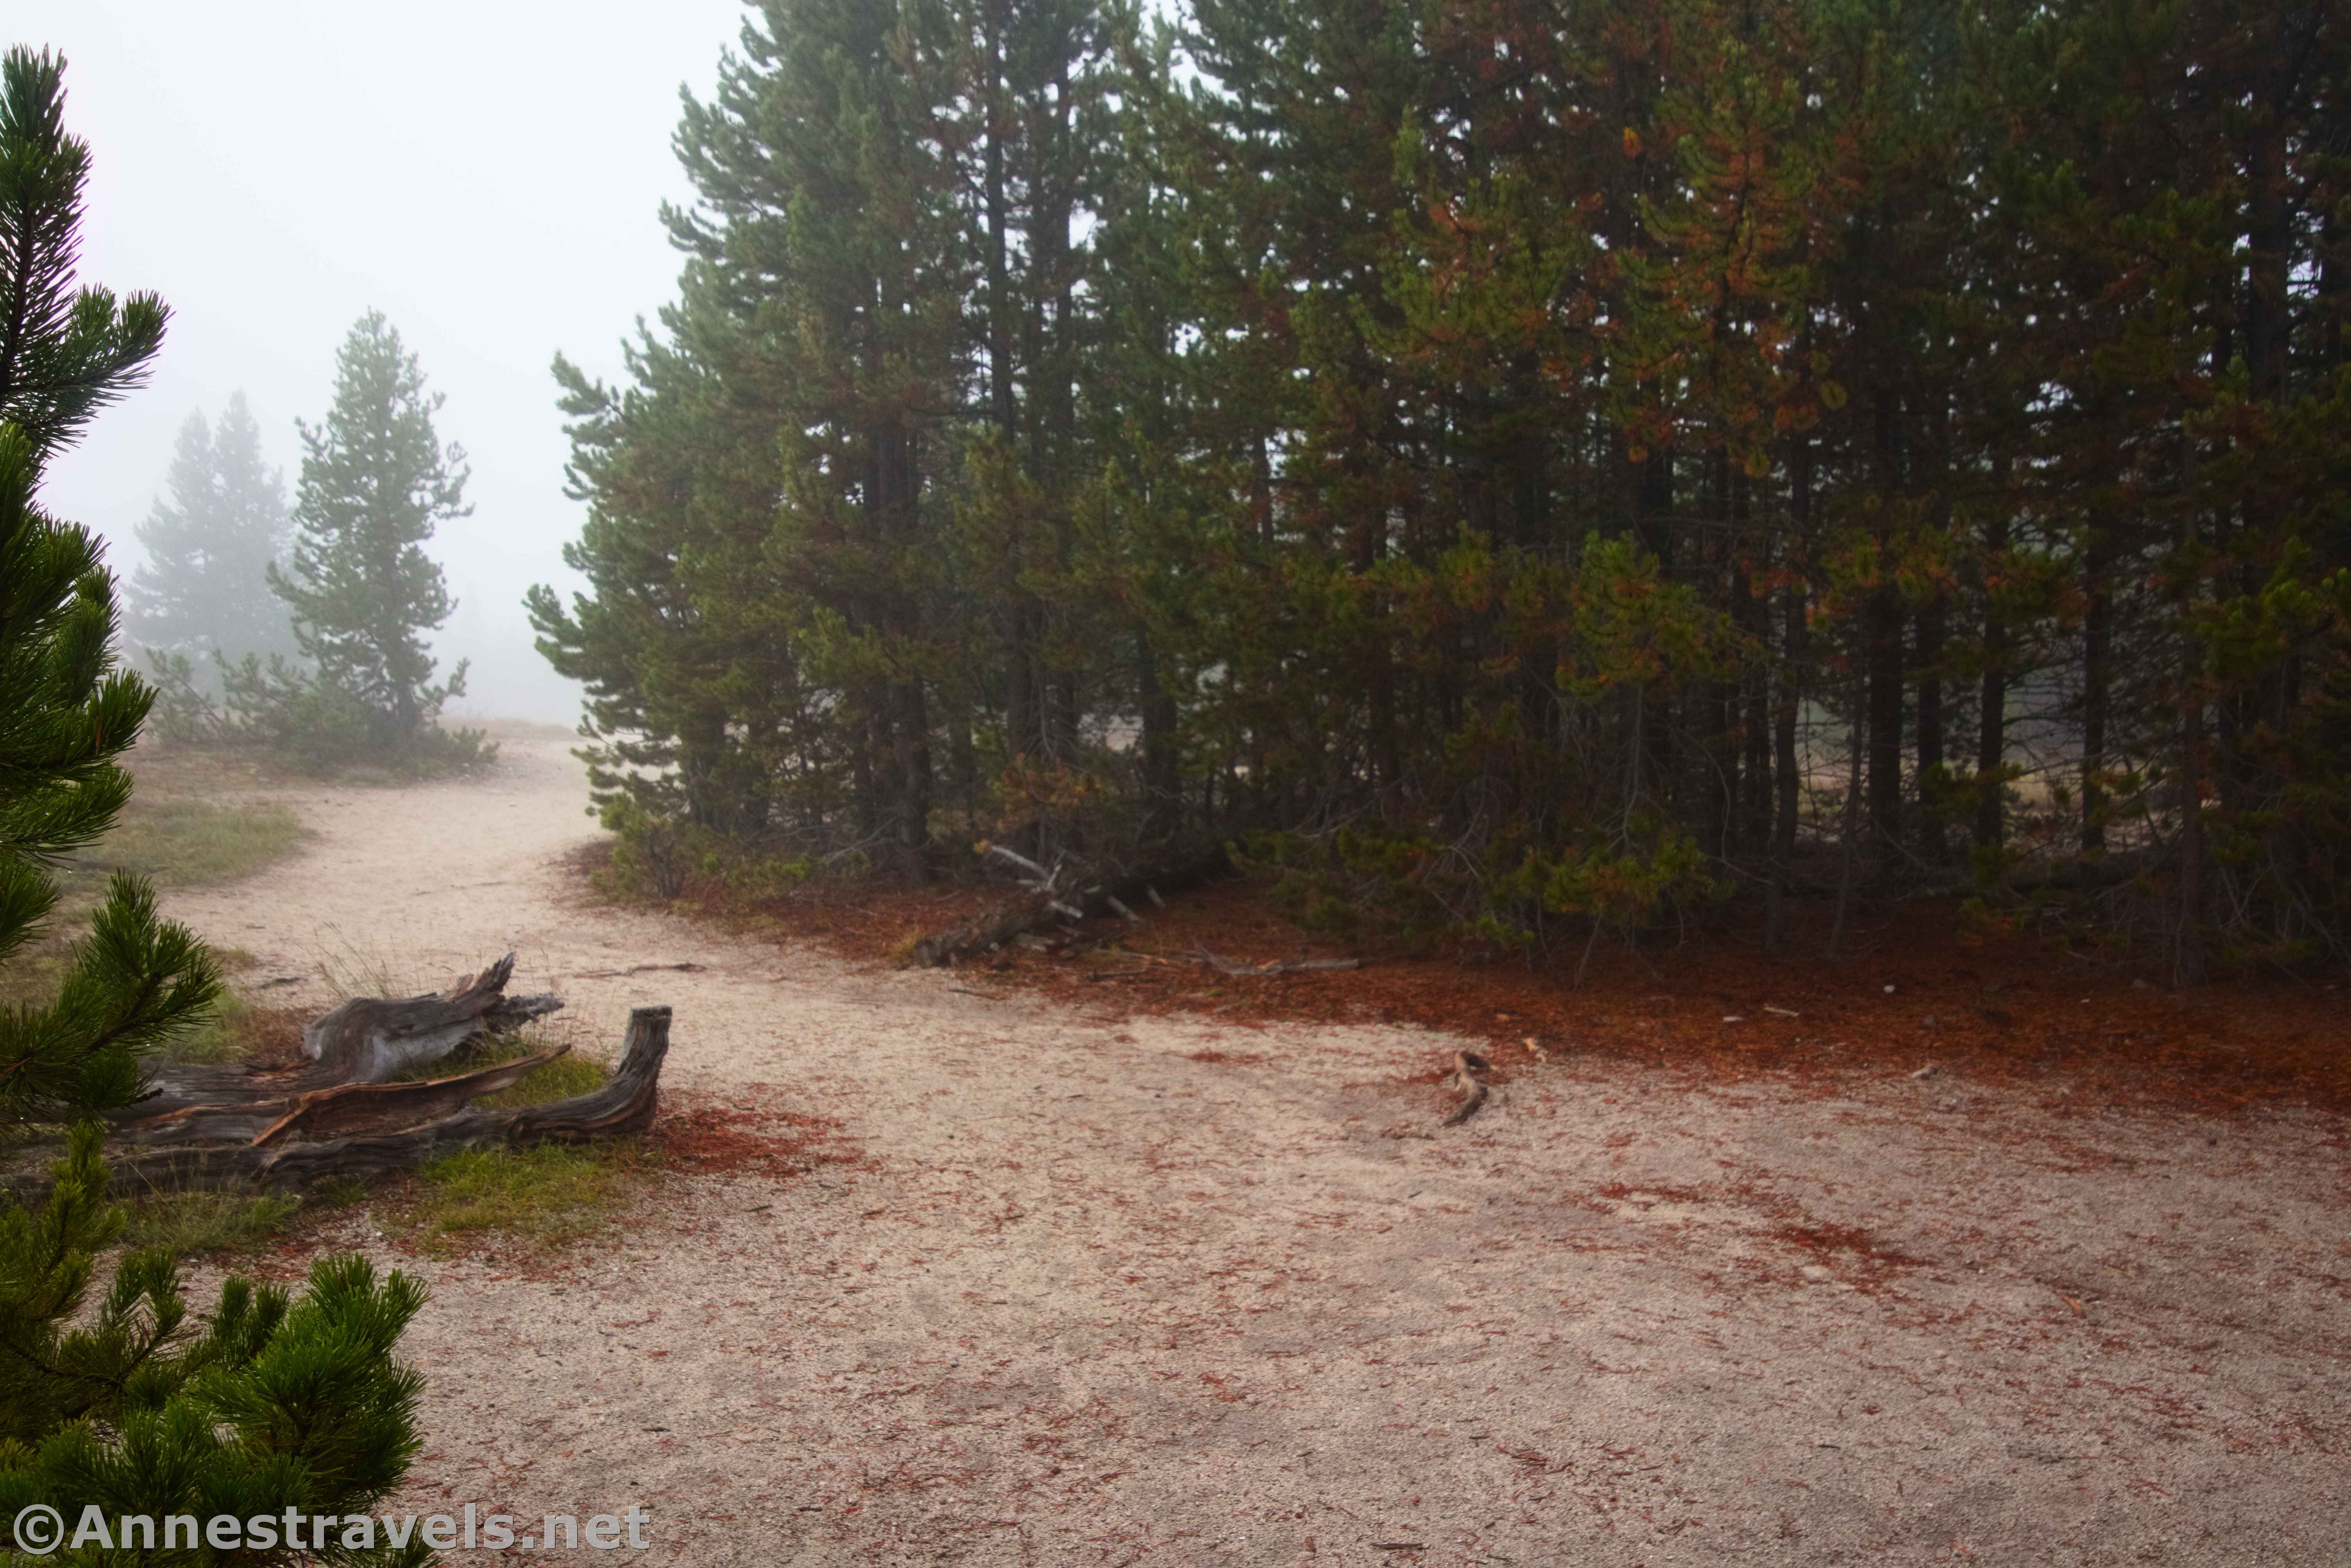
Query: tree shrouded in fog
[[376, 481], [210, 544]]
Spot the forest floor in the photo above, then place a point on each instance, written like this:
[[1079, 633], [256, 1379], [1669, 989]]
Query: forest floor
[[1114, 1260]]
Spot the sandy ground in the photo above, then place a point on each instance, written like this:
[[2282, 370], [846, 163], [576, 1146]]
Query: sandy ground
[[1163, 1292]]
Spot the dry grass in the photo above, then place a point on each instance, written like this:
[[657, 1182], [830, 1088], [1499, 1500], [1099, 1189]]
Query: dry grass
[[193, 820], [178, 840], [198, 1224]]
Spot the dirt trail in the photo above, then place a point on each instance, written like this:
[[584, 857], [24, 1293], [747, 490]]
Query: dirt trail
[[1165, 1293]]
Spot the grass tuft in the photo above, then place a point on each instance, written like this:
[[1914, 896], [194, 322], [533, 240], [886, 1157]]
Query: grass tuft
[[192, 1224], [341, 1192], [566, 1076], [349, 969], [181, 841], [227, 1036], [547, 1196], [559, 1080], [238, 1031]]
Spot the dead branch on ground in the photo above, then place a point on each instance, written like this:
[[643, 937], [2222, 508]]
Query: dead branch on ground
[[1277, 967], [1057, 895], [1465, 1082]]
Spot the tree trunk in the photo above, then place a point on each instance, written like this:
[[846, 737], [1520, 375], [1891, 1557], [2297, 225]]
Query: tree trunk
[[1931, 843], [1884, 620], [1991, 717], [1162, 779], [1849, 860], [2097, 632]]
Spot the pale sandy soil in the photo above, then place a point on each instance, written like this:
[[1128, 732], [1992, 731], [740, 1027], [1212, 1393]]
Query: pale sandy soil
[[1083, 1298]]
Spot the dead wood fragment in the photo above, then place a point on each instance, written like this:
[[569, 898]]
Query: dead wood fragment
[[623, 1105], [355, 1107], [1053, 896], [249, 1126], [1277, 967], [371, 1039], [1041, 879], [1465, 1082]]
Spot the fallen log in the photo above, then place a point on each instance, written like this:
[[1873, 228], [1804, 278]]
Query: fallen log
[[623, 1105], [251, 1128], [365, 1040], [353, 1107], [337, 1108], [1105, 895]]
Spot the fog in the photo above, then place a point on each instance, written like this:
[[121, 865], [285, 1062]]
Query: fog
[[487, 174]]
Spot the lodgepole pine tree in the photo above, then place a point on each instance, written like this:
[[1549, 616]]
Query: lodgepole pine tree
[[1526, 464], [824, 282], [210, 545], [126, 1409], [66, 713], [375, 483]]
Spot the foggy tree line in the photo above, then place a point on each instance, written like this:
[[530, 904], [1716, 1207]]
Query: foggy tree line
[[303, 627], [1535, 466]]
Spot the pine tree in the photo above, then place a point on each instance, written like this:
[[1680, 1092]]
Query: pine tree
[[127, 1410], [1509, 440], [375, 483], [210, 544], [66, 713], [278, 1404]]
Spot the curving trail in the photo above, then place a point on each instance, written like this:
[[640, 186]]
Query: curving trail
[[1083, 1296]]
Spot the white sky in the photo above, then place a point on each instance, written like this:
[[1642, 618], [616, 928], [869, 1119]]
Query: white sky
[[487, 174]]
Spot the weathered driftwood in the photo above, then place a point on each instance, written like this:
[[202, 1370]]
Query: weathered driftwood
[[250, 1127], [358, 1107], [349, 1045], [1048, 903], [624, 1105], [268, 1111], [373, 1040]]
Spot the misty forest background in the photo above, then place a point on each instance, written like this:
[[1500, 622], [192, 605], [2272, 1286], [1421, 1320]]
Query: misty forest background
[[304, 628], [1534, 469]]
